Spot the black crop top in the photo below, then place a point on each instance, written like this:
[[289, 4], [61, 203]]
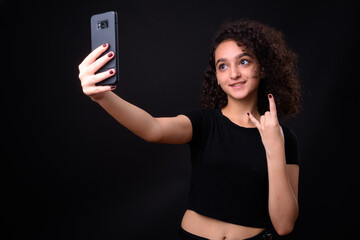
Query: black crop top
[[229, 179]]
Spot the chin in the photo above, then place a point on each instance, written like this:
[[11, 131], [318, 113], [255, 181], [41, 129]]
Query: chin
[[239, 96], [242, 96]]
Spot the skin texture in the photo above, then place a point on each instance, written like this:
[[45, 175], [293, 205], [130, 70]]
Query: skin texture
[[239, 75]]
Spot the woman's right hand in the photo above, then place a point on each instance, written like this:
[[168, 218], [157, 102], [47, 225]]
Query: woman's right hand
[[87, 69]]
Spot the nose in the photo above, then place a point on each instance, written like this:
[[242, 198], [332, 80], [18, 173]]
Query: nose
[[234, 73]]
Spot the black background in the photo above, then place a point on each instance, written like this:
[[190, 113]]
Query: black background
[[69, 171]]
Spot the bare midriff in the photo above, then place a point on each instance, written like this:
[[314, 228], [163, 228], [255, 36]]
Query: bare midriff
[[214, 229]]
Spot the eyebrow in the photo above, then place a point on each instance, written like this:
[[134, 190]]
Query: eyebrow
[[237, 57]]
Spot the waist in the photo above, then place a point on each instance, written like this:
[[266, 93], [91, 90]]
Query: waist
[[215, 229]]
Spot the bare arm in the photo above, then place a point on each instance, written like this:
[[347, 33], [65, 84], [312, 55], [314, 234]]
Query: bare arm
[[283, 178], [172, 130], [283, 193]]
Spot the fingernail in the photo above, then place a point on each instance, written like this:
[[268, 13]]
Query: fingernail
[[105, 45], [110, 54], [111, 71], [113, 87], [248, 114], [270, 96]]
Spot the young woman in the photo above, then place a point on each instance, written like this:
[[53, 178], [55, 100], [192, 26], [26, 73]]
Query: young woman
[[245, 165]]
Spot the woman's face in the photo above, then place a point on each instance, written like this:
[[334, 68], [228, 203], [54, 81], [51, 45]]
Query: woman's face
[[237, 70]]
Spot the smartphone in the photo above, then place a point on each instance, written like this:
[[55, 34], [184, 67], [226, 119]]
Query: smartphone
[[104, 29]]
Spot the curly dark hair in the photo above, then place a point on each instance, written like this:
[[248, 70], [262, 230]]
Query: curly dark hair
[[276, 59]]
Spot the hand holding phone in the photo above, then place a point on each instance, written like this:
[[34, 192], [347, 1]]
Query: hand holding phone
[[90, 79], [104, 30], [98, 71]]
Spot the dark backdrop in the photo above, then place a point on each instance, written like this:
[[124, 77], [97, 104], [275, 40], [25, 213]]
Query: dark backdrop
[[69, 171]]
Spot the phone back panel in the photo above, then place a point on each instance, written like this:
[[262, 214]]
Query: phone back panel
[[104, 29]]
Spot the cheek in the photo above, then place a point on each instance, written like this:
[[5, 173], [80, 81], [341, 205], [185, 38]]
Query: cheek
[[250, 75], [253, 76], [255, 72], [219, 78]]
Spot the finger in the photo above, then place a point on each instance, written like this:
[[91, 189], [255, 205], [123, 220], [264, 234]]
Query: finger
[[272, 105], [100, 62], [267, 114], [94, 55], [262, 120], [98, 89], [101, 76], [254, 120], [267, 118]]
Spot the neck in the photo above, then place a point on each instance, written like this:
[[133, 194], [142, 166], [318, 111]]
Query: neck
[[236, 111]]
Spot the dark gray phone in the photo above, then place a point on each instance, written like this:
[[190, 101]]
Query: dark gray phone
[[104, 29]]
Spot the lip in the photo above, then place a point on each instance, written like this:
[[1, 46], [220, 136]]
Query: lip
[[238, 84]]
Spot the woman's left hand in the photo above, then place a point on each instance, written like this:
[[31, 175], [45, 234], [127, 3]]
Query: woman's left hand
[[270, 130]]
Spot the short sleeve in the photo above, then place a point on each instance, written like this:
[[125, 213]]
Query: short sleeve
[[198, 120], [291, 147]]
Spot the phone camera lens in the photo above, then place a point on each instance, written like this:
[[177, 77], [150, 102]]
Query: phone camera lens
[[102, 24]]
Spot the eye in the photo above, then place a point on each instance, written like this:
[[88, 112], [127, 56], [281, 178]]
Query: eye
[[244, 62], [222, 66]]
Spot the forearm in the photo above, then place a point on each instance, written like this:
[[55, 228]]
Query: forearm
[[283, 206], [135, 119], [283, 180], [130, 116]]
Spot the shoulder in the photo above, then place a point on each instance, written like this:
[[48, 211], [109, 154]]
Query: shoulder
[[291, 146], [201, 115], [202, 121], [289, 134]]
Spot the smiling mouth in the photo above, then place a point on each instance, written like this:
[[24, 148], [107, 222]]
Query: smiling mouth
[[238, 84]]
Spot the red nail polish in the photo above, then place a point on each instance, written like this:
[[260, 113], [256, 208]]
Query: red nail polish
[[110, 54], [105, 45], [248, 114], [113, 87], [270, 96], [111, 71]]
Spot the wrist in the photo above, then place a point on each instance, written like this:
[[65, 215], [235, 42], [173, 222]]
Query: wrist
[[99, 97], [276, 153]]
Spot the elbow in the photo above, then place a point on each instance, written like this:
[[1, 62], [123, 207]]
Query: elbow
[[151, 138], [151, 135], [284, 223], [284, 229]]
